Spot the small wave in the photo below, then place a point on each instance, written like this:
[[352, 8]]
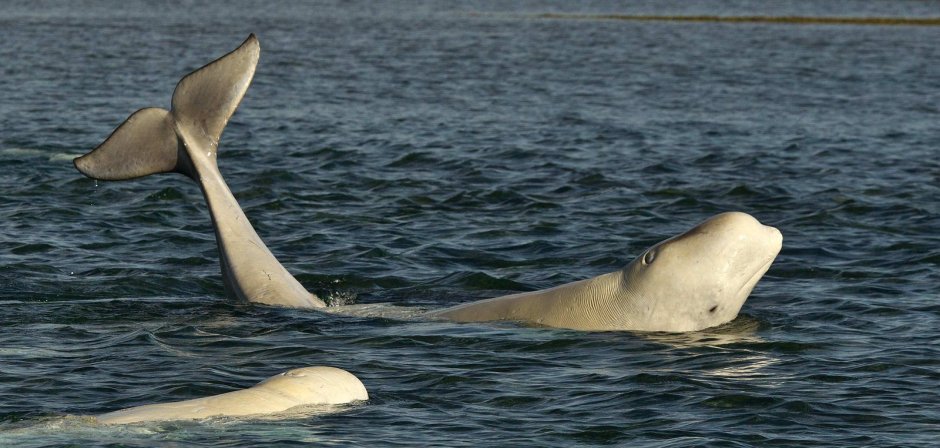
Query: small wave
[[738, 401]]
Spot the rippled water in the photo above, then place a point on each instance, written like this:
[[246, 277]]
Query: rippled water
[[425, 154]]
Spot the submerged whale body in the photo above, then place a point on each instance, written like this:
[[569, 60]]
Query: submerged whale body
[[695, 280], [297, 387]]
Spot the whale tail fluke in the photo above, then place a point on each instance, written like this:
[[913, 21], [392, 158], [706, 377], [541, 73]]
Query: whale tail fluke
[[144, 144], [185, 140], [149, 141]]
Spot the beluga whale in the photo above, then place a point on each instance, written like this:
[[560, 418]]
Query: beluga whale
[[303, 386], [695, 280], [692, 281]]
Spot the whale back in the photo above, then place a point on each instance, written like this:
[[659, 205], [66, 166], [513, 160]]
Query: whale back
[[298, 387]]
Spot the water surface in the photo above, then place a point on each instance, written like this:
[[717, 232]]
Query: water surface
[[424, 154]]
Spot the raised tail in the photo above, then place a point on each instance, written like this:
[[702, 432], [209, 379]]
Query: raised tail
[[155, 140], [185, 139]]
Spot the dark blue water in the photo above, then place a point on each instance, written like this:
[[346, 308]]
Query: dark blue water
[[423, 154]]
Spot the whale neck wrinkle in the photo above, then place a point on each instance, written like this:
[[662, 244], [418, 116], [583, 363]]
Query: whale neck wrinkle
[[250, 271], [614, 300], [590, 304], [596, 304]]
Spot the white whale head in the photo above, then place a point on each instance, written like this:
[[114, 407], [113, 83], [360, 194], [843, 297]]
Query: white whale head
[[700, 278], [692, 281], [315, 385]]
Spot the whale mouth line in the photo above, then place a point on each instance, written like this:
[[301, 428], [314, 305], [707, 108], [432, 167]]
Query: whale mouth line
[[757, 274]]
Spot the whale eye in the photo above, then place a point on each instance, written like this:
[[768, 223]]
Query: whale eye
[[713, 309], [649, 257]]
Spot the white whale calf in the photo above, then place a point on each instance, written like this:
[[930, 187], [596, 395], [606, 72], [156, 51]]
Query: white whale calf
[[296, 387], [695, 280]]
